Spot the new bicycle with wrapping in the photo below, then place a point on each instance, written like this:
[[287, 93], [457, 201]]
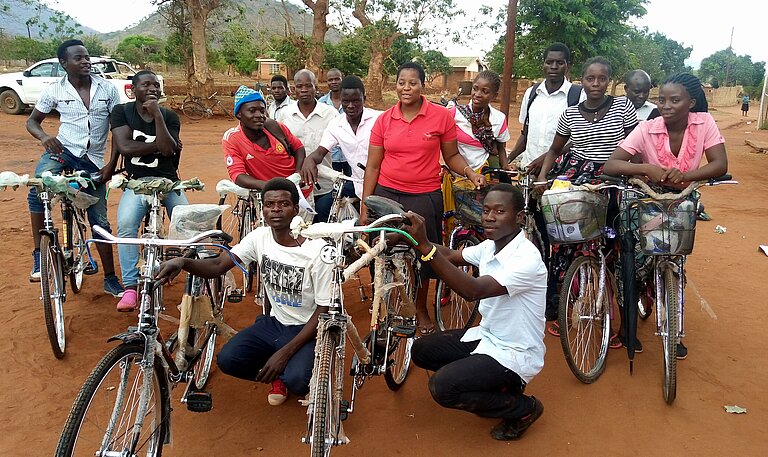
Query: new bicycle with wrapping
[[68, 257], [386, 348]]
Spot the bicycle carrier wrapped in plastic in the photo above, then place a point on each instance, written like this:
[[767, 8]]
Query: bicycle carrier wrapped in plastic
[[468, 201], [574, 216], [190, 220], [667, 227]]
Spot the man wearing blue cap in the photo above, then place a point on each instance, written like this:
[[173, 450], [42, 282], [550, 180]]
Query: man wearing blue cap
[[259, 149]]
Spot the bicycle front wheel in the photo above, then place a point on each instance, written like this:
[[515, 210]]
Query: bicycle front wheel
[[193, 110], [204, 339], [118, 411], [452, 311], [52, 295], [79, 253], [670, 331], [401, 330], [326, 410], [584, 322]]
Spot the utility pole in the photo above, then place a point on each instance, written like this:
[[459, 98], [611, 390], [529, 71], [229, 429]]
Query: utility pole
[[509, 56], [727, 62]]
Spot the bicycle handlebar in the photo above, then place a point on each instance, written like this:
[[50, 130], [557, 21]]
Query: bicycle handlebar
[[621, 183], [331, 174], [196, 240], [149, 186], [336, 230], [225, 186]]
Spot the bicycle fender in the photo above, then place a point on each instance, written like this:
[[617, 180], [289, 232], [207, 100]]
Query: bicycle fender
[[127, 338], [52, 234]]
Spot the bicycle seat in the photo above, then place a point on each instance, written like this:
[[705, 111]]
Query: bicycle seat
[[382, 206]]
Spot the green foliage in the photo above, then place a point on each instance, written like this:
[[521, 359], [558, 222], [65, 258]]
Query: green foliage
[[95, 46], [59, 26], [23, 48], [292, 50], [658, 55], [177, 46], [350, 55], [435, 64], [495, 57], [239, 49], [728, 69], [140, 50], [403, 50]]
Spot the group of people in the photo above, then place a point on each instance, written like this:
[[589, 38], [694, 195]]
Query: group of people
[[579, 131]]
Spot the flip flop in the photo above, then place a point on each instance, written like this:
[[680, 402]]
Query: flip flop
[[554, 329], [424, 330], [615, 342]]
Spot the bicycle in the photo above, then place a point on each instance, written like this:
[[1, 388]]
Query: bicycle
[[385, 350], [452, 311], [665, 231], [527, 185], [195, 107], [68, 258], [124, 407]]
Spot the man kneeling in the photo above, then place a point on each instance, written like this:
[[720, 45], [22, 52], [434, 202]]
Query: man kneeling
[[278, 348], [484, 370]]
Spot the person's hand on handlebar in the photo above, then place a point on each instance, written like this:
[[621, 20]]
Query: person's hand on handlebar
[[309, 172], [170, 269], [672, 176], [534, 168], [418, 231], [476, 178]]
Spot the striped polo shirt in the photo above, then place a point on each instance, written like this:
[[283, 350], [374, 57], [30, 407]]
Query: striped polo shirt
[[83, 131]]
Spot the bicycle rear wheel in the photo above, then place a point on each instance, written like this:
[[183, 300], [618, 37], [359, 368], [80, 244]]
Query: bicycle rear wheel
[[79, 253], [326, 409], [52, 295], [401, 330], [670, 330], [452, 311], [193, 110], [104, 418], [584, 323]]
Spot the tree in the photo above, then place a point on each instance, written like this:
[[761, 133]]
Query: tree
[[350, 55], [27, 49], [495, 57], [239, 49], [435, 64], [94, 45], [292, 50], [729, 69], [320, 9], [140, 50], [403, 50]]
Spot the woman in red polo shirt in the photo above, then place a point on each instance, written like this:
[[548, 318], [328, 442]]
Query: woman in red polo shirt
[[404, 162]]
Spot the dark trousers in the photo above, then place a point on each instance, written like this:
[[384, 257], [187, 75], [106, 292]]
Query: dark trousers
[[475, 383], [248, 351]]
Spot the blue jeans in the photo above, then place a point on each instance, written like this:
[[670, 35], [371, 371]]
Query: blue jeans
[[130, 214], [56, 163], [248, 351]]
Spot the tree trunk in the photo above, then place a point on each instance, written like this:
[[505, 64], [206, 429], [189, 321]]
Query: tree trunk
[[320, 10], [374, 82], [200, 81]]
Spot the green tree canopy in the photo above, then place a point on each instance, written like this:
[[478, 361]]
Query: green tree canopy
[[728, 69], [350, 55], [239, 49], [140, 49], [435, 64]]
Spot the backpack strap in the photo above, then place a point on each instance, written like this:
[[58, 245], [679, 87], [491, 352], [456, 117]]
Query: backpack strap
[[531, 98], [574, 94], [273, 127]]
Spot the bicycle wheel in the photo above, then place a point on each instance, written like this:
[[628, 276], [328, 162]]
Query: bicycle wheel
[[452, 311], [645, 302], [533, 235], [109, 406], [204, 339], [52, 294], [326, 409], [79, 253], [669, 330], [193, 110], [236, 221], [399, 353], [585, 325], [226, 112]]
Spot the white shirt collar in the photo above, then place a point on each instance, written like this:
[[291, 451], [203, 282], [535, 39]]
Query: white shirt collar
[[564, 88]]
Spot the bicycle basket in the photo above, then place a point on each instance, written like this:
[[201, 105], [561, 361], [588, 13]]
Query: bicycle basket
[[574, 216], [667, 227], [468, 202]]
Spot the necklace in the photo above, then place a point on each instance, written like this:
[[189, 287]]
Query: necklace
[[594, 111]]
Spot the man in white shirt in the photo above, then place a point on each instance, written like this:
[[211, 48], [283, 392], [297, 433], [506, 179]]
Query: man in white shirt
[[484, 370], [279, 90], [637, 84], [307, 120], [278, 348], [351, 132]]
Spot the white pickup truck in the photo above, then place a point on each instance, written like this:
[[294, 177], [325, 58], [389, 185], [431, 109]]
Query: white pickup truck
[[20, 90]]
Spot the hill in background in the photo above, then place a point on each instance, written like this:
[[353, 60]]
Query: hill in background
[[13, 20]]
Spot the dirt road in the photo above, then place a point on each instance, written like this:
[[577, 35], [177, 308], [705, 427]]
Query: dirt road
[[619, 415]]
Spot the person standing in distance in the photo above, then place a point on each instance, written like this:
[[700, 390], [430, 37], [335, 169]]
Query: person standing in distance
[[279, 90], [84, 102], [637, 84]]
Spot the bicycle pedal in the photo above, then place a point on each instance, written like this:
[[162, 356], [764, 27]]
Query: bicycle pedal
[[235, 296], [199, 401], [343, 410], [404, 331], [90, 269], [172, 253]]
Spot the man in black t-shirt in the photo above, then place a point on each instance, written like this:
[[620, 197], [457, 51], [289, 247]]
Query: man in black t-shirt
[[147, 136]]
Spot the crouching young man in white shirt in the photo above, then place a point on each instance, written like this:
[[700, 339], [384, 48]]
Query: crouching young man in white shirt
[[484, 370], [279, 348]]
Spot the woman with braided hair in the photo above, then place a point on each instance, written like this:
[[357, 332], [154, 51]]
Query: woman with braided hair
[[668, 150]]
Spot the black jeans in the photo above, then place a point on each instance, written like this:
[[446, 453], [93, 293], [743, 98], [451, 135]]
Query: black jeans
[[475, 383]]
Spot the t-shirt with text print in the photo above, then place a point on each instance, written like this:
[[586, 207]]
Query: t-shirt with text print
[[295, 278]]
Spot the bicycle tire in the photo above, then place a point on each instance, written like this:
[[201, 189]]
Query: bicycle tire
[[79, 252], [205, 339], [399, 354], [226, 112], [670, 333], [326, 409], [52, 295], [585, 345], [245, 228], [457, 313], [645, 301], [532, 234], [118, 379], [193, 110]]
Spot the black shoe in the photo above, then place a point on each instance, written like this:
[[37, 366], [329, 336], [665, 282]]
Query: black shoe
[[638, 344], [682, 352], [513, 429]]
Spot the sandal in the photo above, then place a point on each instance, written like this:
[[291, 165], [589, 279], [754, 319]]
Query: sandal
[[554, 329], [426, 330], [615, 342]]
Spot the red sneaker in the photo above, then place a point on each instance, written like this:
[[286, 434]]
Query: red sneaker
[[278, 394]]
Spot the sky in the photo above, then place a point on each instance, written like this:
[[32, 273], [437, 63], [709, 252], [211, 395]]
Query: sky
[[689, 22]]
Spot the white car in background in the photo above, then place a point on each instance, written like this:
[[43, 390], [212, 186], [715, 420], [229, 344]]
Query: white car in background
[[20, 90]]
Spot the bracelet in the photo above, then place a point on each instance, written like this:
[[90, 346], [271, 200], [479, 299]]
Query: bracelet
[[430, 255], [465, 171]]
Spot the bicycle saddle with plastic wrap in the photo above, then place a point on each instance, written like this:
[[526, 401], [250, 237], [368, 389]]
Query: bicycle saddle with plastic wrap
[[382, 206]]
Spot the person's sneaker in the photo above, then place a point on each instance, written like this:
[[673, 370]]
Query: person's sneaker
[[112, 286], [513, 429], [682, 351], [34, 275], [128, 302], [278, 394]]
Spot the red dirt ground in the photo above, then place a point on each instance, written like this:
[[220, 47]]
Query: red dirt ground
[[619, 415]]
